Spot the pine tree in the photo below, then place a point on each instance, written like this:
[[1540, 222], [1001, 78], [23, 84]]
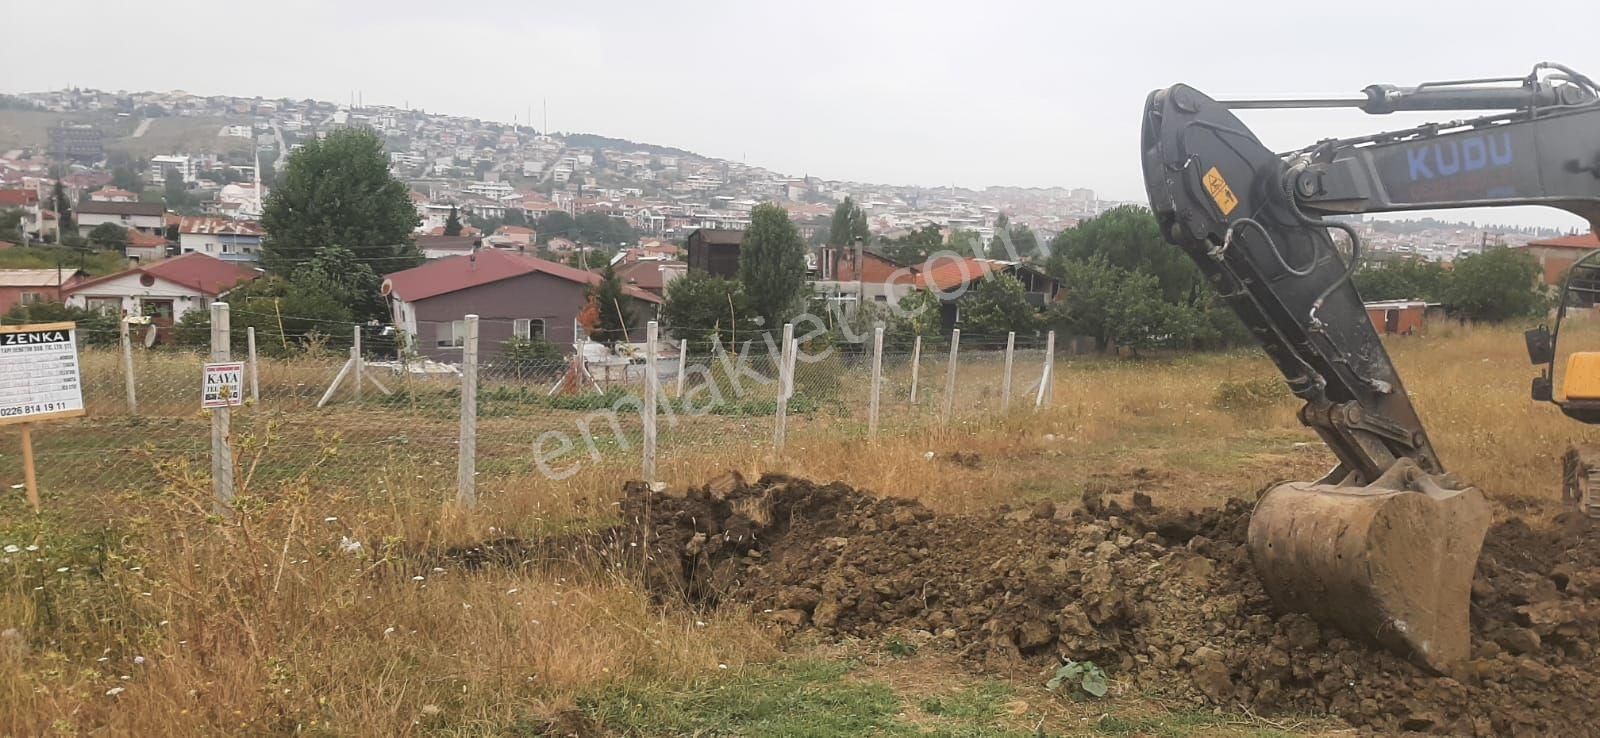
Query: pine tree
[[63, 208], [452, 224], [614, 308], [772, 265]]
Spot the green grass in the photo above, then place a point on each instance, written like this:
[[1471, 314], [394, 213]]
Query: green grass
[[803, 698], [96, 263], [184, 135]]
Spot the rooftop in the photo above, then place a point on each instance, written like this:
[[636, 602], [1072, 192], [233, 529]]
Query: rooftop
[[94, 207], [455, 273]]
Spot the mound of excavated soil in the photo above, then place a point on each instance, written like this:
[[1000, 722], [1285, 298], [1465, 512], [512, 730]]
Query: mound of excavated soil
[[1165, 601]]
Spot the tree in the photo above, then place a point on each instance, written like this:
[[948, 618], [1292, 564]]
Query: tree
[[175, 192], [337, 271], [1119, 307], [609, 309], [966, 243], [1023, 243], [339, 191], [1497, 285], [772, 265], [109, 236], [1129, 238], [849, 224], [999, 305], [126, 178], [11, 228], [452, 224], [698, 303], [288, 315], [556, 224], [63, 207], [914, 247], [1405, 280]]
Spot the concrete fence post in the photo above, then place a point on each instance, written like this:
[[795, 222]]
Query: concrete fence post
[[355, 361], [877, 379], [221, 418], [1047, 375], [916, 367], [1005, 382], [255, 367], [683, 364], [950, 375], [651, 382], [467, 461], [128, 381], [785, 387]]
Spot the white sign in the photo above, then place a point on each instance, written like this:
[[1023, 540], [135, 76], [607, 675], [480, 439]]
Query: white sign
[[39, 372], [223, 385]]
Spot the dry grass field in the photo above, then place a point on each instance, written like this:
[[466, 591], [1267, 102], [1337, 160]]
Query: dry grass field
[[128, 609]]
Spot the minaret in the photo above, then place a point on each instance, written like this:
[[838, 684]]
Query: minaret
[[257, 199]]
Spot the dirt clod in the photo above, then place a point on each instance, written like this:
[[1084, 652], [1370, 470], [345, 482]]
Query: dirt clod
[[1166, 601]]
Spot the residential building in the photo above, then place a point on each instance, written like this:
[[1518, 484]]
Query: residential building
[[714, 251], [78, 141], [440, 246], [651, 275], [228, 240], [33, 286], [164, 291], [144, 248], [517, 234], [143, 216], [1556, 255], [113, 194], [527, 297], [186, 167]]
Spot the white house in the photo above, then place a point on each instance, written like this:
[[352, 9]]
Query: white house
[[186, 167], [228, 240], [149, 217], [164, 290]]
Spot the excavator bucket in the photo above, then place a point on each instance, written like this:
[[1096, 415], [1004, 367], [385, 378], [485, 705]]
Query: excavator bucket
[[1391, 562]]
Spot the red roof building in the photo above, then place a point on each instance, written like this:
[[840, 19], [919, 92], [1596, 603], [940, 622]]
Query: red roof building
[[1556, 255], [164, 290], [515, 295]]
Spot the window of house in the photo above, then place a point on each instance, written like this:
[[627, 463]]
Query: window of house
[[104, 305], [456, 337], [32, 298], [528, 329]]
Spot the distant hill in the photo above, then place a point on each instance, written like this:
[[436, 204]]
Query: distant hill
[[596, 141]]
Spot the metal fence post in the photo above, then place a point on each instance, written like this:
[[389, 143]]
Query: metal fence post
[[467, 462], [355, 361], [683, 363], [916, 367], [785, 386], [950, 374], [255, 368], [221, 418], [877, 379], [651, 381], [1047, 375], [1005, 383], [127, 365]]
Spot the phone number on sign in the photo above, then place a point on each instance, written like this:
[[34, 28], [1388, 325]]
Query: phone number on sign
[[35, 409]]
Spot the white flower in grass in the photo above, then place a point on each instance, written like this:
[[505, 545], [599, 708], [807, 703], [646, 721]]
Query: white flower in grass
[[114, 691], [12, 548]]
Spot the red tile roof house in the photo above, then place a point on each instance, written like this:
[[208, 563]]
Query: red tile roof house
[[1556, 255], [513, 294], [164, 290], [31, 286]]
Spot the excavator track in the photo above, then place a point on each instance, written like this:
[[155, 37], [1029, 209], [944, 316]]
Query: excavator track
[[1580, 479]]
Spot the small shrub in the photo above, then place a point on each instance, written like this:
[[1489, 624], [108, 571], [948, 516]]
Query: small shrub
[[1249, 394]]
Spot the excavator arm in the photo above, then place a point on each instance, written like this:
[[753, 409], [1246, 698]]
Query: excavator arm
[[1257, 224]]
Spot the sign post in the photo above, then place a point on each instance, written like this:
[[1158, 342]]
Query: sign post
[[39, 380]]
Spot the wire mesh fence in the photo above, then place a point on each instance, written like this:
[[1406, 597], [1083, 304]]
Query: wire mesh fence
[[357, 407]]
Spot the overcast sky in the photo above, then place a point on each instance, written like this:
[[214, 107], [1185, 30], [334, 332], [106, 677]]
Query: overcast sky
[[919, 92]]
